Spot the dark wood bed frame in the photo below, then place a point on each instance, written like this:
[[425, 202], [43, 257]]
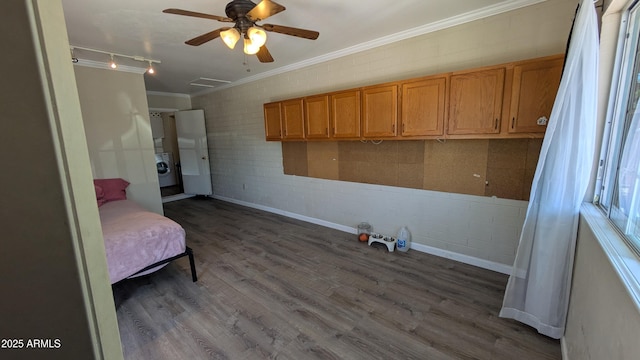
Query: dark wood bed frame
[[188, 252]]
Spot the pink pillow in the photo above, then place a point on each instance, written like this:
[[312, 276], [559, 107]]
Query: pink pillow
[[99, 195], [114, 189]]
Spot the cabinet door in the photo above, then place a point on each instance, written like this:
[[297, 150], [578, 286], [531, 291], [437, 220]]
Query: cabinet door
[[379, 111], [345, 114], [316, 117], [272, 122], [292, 120], [475, 102], [534, 91], [423, 105]]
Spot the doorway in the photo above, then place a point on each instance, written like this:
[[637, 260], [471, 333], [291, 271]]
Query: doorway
[[182, 159], [165, 143]]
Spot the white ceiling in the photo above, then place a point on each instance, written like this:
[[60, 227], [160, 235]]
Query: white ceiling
[[140, 28]]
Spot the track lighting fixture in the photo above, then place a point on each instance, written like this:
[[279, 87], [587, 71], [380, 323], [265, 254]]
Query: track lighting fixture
[[73, 58], [112, 63]]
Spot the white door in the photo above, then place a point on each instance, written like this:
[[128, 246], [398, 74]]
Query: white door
[[194, 154]]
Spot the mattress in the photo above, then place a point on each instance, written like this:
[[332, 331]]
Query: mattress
[[135, 238]]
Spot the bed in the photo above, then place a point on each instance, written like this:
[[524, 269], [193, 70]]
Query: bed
[[137, 241]]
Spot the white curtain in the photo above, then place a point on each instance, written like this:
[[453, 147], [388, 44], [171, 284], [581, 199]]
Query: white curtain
[[537, 293]]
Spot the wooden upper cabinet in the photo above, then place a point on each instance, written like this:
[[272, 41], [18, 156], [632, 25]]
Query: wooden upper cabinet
[[345, 114], [475, 101], [272, 122], [292, 120], [533, 93], [379, 111], [423, 107], [510, 100], [316, 117]]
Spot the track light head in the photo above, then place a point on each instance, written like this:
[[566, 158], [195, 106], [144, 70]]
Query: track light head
[[73, 58]]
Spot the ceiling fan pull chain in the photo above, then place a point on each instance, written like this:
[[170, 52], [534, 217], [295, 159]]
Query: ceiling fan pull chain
[[246, 62]]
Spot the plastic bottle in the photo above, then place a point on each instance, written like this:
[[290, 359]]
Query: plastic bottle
[[404, 239]]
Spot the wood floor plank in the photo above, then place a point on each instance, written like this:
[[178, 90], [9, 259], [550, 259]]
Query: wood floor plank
[[272, 287]]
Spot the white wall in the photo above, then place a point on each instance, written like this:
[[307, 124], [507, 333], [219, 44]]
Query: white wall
[[118, 130], [168, 101], [247, 168]]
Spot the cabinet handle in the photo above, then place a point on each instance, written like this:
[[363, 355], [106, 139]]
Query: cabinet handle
[[403, 128], [513, 122], [393, 128], [495, 124]]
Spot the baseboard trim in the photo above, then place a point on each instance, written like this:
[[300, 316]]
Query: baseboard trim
[[176, 197], [288, 214], [466, 259]]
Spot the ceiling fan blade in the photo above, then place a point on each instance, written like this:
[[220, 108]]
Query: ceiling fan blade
[[264, 55], [197, 14], [307, 34], [264, 9], [199, 40]]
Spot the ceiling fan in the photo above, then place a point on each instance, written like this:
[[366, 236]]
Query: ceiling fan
[[245, 14]]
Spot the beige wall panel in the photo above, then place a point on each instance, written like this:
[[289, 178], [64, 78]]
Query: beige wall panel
[[323, 159], [506, 164], [294, 158], [411, 175], [456, 166]]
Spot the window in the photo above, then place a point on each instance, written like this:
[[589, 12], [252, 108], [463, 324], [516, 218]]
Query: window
[[620, 193]]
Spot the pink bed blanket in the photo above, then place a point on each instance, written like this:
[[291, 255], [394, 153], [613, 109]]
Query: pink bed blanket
[[135, 238]]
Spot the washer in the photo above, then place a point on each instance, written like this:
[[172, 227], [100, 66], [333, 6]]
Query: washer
[[166, 169]]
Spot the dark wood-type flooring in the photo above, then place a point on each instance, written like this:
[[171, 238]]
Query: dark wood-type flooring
[[272, 287], [171, 190]]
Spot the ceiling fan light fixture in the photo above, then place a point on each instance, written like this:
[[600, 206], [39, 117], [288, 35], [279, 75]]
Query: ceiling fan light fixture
[[257, 35], [245, 14], [230, 37], [250, 48]]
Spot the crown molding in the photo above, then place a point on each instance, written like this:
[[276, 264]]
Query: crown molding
[[161, 110], [488, 11], [162, 93]]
